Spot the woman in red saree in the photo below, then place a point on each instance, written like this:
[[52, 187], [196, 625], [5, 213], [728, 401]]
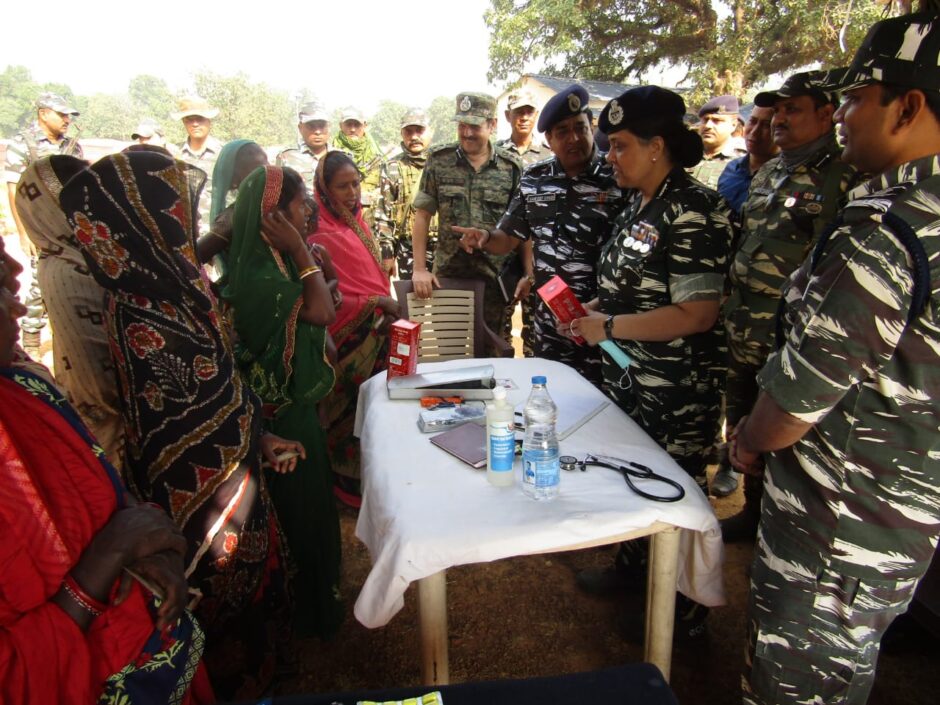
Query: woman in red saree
[[74, 628], [360, 332]]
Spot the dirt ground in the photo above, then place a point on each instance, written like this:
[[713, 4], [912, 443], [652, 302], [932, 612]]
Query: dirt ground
[[525, 617]]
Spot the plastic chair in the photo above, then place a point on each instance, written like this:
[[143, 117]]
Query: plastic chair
[[452, 324]]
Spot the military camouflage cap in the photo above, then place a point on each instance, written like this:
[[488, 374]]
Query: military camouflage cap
[[414, 116], [572, 101], [722, 105], [313, 112], [903, 51], [351, 113], [195, 105], [55, 102], [475, 108], [521, 99], [811, 83]]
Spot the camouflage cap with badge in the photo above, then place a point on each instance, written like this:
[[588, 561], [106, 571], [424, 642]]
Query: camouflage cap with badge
[[902, 51], [475, 108], [567, 103], [811, 83], [521, 99], [55, 102], [414, 116]]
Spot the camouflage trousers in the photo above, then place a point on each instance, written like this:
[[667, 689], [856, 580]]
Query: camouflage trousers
[[683, 419], [35, 319], [813, 632], [745, 360], [494, 306], [405, 257]]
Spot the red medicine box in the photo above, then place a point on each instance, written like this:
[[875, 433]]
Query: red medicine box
[[561, 300], [403, 348]]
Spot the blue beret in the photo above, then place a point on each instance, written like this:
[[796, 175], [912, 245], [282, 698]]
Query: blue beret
[[641, 102], [723, 105], [565, 104]]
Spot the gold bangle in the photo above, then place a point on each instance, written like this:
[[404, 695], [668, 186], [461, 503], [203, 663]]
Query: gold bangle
[[307, 271]]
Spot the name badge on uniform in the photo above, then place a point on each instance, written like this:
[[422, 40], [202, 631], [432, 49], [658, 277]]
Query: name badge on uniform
[[542, 197]]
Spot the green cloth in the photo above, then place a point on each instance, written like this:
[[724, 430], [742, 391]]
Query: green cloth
[[364, 151], [222, 174], [283, 359]]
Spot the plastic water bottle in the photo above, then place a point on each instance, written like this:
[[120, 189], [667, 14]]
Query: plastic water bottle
[[500, 439], [541, 471]]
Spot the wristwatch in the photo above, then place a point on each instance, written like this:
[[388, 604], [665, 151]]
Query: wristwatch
[[531, 278], [609, 327]]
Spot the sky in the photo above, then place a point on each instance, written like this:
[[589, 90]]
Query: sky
[[345, 53]]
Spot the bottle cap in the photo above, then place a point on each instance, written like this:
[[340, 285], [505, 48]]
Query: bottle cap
[[538, 379], [499, 392]]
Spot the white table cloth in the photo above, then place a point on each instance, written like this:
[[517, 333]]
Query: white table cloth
[[424, 511]]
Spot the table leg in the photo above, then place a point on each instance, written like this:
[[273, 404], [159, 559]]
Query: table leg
[[661, 598], [432, 624]]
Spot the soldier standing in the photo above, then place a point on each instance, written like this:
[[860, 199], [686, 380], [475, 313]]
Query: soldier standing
[[355, 139], [314, 127], [521, 114], [47, 136], [200, 149], [735, 180], [564, 208], [849, 405], [468, 183], [720, 117], [791, 200], [395, 212]]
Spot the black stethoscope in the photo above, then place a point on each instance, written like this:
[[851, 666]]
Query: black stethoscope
[[630, 471]]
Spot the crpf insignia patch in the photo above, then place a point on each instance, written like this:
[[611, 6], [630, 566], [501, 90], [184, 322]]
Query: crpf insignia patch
[[465, 104], [574, 103], [615, 114]]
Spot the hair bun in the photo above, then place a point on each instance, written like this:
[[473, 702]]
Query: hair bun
[[690, 149]]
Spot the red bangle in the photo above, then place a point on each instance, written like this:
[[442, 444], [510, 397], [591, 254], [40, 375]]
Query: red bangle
[[84, 600]]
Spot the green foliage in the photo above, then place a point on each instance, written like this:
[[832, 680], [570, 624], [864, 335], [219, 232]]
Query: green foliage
[[18, 93], [727, 46], [385, 125], [248, 110], [441, 117]]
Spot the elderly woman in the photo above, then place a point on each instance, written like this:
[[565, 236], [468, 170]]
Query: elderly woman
[[281, 305], [360, 331], [194, 436], [660, 282], [82, 362], [74, 626]]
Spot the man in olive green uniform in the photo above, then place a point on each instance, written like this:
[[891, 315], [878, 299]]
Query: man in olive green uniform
[[314, 127], [468, 183], [719, 117], [354, 137], [791, 199], [200, 149], [394, 211], [849, 410], [43, 138]]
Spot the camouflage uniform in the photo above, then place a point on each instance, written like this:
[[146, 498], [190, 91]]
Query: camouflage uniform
[[851, 512], [709, 170], [786, 209], [28, 146], [301, 160], [569, 220], [673, 388], [395, 213], [536, 152], [205, 160], [463, 196]]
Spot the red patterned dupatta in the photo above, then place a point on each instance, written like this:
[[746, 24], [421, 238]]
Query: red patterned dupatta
[[55, 495]]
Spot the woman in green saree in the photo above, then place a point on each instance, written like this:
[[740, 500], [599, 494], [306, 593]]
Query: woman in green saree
[[281, 306]]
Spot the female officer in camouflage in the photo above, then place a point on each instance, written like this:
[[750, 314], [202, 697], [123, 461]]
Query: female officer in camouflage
[[660, 282]]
